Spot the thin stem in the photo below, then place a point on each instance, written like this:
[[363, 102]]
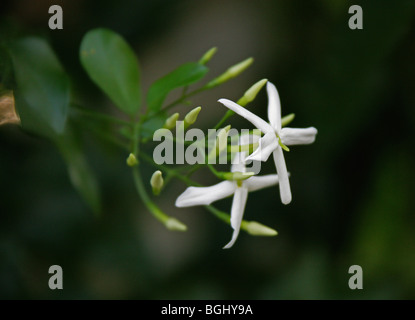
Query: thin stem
[[174, 103], [170, 172], [194, 169], [157, 213], [219, 214], [135, 139], [108, 137], [227, 115], [98, 115], [214, 171]]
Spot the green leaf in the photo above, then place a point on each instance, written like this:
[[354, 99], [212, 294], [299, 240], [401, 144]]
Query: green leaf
[[153, 124], [80, 173], [184, 75], [112, 65], [43, 90]]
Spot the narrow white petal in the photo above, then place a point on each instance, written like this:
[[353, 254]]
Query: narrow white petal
[[248, 115], [285, 190], [267, 144], [274, 107], [260, 182], [196, 196], [237, 212], [293, 136]]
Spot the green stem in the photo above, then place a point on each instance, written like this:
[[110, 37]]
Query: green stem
[[157, 213], [219, 214], [170, 172], [174, 103], [98, 115], [108, 137], [227, 115], [214, 171], [135, 140]]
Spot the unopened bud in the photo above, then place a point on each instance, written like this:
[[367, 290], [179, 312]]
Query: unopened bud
[[171, 121], [287, 119], [258, 229], [208, 55], [251, 93], [157, 182], [175, 225], [222, 139], [232, 72], [220, 144], [191, 117], [238, 176], [132, 160]]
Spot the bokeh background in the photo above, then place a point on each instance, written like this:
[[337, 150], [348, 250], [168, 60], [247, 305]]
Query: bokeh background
[[353, 189]]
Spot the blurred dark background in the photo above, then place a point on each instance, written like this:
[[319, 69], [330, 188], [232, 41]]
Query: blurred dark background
[[353, 189]]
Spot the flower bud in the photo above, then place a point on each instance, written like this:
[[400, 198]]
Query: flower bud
[[132, 160], [191, 117], [220, 144], [222, 139], [258, 229], [208, 55], [232, 72], [287, 119], [175, 225], [251, 93], [171, 121], [238, 176], [157, 182]]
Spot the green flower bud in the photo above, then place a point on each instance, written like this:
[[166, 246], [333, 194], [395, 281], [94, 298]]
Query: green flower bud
[[175, 225], [171, 121], [251, 93], [222, 139], [191, 117], [232, 72], [287, 119], [258, 229], [220, 144], [132, 160], [238, 176], [157, 182], [208, 55]]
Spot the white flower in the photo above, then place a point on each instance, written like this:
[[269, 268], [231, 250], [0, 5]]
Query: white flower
[[274, 137], [195, 196]]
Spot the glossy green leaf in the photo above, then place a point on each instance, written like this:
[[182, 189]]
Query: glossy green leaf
[[80, 173], [112, 65], [184, 75], [43, 90]]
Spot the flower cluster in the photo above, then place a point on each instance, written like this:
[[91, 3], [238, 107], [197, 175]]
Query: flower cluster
[[275, 139], [44, 107]]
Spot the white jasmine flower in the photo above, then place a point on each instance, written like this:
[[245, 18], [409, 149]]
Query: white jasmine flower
[[275, 137], [196, 196]]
